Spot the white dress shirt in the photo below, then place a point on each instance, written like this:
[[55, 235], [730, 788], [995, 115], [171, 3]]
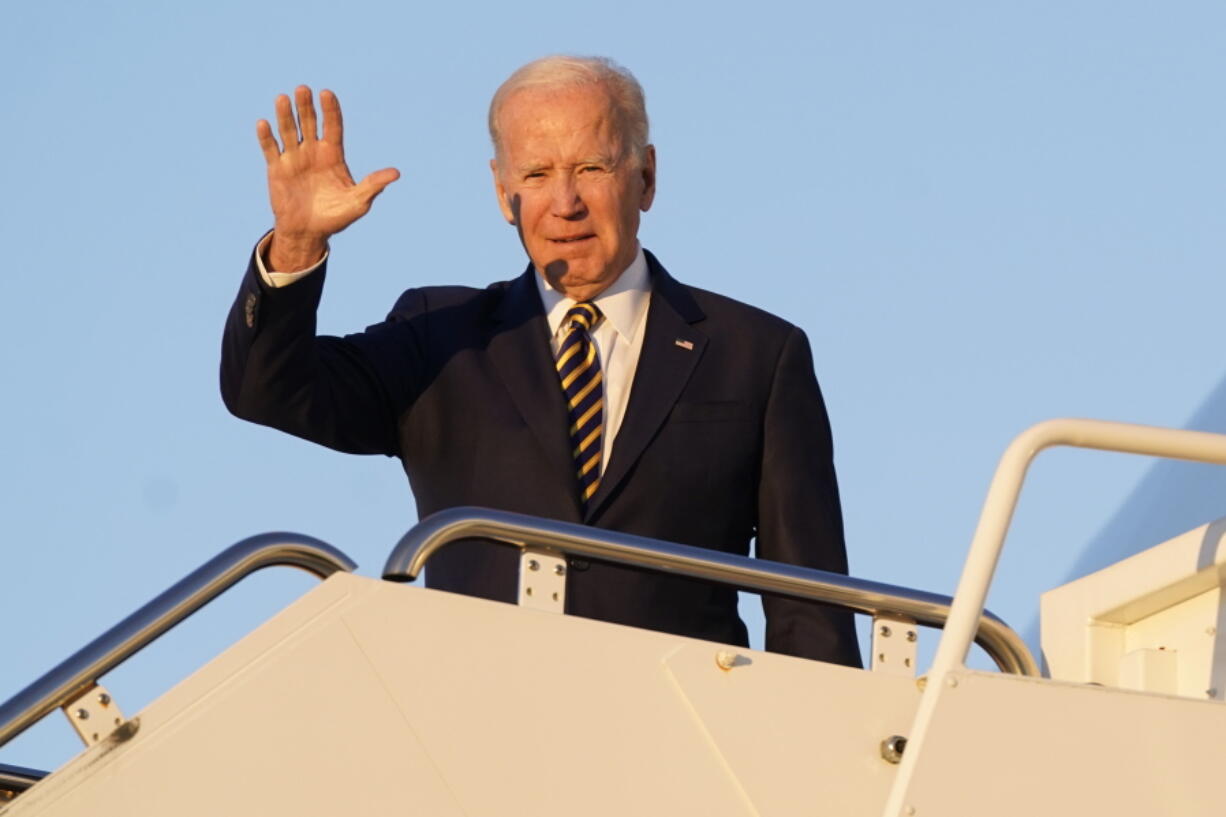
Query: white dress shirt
[[618, 336], [280, 279]]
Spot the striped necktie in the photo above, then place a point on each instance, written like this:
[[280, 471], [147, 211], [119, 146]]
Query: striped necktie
[[579, 369]]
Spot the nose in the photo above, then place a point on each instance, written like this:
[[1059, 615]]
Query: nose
[[565, 201]]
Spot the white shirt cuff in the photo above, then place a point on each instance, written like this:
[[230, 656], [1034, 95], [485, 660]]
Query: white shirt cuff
[[281, 279]]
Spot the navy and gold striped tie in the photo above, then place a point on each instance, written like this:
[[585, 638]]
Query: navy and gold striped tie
[[579, 369]]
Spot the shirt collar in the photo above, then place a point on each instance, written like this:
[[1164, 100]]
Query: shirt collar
[[622, 304]]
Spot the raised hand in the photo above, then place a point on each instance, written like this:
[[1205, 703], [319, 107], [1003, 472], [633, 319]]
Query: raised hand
[[312, 193]]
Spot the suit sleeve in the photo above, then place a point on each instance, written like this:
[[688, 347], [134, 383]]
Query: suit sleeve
[[799, 517], [345, 393]]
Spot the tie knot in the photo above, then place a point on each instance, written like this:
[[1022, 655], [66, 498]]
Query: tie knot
[[583, 315]]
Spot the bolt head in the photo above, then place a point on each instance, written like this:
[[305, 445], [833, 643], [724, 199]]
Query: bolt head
[[82, 714], [533, 564], [884, 631], [892, 749], [912, 635], [103, 698], [559, 569], [725, 659]]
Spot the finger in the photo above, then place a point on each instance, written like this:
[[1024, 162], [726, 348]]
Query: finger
[[263, 132], [286, 125], [374, 184], [334, 128], [306, 113]]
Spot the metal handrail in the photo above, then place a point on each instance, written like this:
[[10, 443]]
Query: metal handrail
[[83, 668], [445, 527], [16, 779], [989, 539]]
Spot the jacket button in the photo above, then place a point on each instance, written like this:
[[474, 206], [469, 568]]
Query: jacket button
[[579, 564], [249, 309]]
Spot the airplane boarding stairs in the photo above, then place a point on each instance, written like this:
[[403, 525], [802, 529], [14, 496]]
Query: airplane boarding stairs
[[365, 697]]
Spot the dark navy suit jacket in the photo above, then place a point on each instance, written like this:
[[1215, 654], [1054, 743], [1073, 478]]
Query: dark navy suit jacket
[[722, 442]]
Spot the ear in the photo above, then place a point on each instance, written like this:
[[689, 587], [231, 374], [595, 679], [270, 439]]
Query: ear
[[649, 178], [504, 199]]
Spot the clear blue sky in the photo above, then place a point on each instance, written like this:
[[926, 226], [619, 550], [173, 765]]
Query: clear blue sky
[[983, 214]]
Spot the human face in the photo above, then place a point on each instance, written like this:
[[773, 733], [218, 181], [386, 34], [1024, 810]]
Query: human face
[[569, 181]]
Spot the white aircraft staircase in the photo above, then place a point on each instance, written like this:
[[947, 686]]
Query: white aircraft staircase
[[366, 697]]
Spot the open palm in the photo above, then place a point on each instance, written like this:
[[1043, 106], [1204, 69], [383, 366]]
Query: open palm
[[312, 193]]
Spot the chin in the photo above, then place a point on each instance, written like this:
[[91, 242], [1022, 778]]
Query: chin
[[587, 282], [577, 275]]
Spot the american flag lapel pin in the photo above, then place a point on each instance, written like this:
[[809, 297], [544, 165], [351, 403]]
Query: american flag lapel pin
[[687, 345]]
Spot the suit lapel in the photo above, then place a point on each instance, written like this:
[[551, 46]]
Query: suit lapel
[[665, 364], [519, 348]]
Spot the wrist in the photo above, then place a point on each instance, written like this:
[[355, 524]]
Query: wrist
[[293, 253]]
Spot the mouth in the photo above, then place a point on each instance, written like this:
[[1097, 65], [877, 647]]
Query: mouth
[[574, 239]]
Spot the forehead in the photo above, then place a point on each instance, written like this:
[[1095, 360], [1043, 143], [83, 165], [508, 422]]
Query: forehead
[[549, 121]]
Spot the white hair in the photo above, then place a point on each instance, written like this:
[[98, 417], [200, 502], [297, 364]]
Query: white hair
[[562, 71]]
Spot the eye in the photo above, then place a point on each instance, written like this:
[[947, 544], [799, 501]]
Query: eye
[[591, 169]]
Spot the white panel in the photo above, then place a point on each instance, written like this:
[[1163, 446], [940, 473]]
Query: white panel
[[366, 697], [799, 742], [293, 721], [535, 714], [1165, 598], [1187, 631], [1150, 670], [1016, 747]]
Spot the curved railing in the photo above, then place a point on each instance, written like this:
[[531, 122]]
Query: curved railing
[[441, 529], [16, 779], [82, 669], [989, 540]]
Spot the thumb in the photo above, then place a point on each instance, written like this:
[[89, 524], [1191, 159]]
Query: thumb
[[374, 184]]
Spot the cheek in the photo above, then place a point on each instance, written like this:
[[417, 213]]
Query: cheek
[[530, 213], [628, 220], [627, 205], [608, 208]]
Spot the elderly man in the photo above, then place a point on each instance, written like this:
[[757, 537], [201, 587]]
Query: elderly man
[[593, 388]]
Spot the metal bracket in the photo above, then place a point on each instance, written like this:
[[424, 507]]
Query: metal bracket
[[94, 714], [542, 579], [895, 643]]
